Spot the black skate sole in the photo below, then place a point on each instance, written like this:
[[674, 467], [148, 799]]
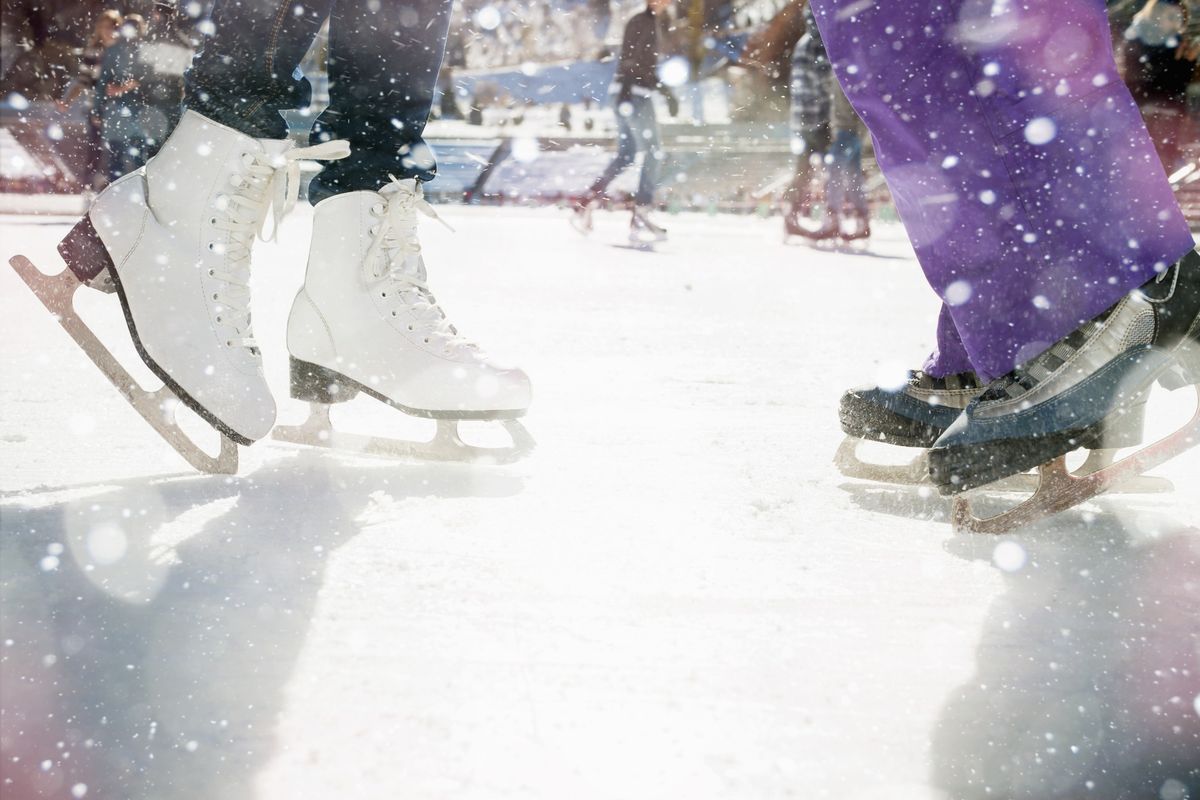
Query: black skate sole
[[866, 420], [959, 469], [82, 250], [316, 384]]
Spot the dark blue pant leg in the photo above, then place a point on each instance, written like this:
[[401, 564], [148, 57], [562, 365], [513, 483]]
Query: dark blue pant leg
[[383, 66], [244, 74]]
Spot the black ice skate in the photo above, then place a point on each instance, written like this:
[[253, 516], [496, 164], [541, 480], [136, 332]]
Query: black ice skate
[[1075, 395], [912, 416], [918, 413]]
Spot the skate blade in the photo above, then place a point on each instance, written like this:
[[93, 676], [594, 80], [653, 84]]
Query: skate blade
[[1058, 490], [158, 408], [581, 227], [446, 444], [849, 464], [916, 472]]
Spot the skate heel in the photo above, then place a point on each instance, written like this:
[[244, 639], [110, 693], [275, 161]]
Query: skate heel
[[1126, 430], [316, 384], [1185, 371], [87, 257]]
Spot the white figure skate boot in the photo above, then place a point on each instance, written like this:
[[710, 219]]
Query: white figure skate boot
[[173, 240], [644, 230], [365, 321]]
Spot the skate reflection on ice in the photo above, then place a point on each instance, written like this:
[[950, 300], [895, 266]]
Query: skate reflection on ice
[[153, 625], [1087, 671]]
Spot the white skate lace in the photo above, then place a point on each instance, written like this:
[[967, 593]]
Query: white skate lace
[[266, 183], [400, 278]]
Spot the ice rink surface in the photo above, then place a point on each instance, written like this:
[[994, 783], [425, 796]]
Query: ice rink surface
[[677, 596]]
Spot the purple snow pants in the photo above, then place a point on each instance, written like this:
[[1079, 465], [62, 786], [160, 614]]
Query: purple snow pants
[[1017, 159]]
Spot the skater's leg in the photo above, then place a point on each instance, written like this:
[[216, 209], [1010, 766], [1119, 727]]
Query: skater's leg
[[838, 183], [845, 153], [383, 67], [244, 74], [645, 125], [847, 150], [950, 357], [811, 134], [1017, 159], [625, 155]]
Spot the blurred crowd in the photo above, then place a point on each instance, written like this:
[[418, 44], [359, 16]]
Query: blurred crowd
[[506, 33], [113, 69], [1158, 49], [119, 69]]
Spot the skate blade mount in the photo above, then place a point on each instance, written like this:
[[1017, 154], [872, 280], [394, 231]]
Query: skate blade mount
[[916, 472], [1058, 489], [57, 293], [446, 445]]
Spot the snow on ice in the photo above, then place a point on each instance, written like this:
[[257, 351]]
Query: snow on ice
[[676, 596]]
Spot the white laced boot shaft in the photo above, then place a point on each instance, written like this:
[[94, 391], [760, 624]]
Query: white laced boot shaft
[[393, 266], [268, 185], [366, 318]]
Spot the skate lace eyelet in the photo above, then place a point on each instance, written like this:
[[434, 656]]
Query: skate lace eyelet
[[383, 294], [214, 295], [410, 327], [377, 210], [212, 272], [372, 230], [212, 246], [394, 314]]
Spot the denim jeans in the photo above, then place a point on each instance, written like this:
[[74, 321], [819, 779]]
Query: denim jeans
[[844, 189], [636, 130], [383, 65]]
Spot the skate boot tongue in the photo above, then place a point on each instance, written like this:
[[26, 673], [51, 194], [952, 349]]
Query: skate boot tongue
[[284, 184], [393, 262], [267, 185]]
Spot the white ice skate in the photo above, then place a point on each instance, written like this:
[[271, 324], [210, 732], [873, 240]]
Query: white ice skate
[[365, 321], [581, 217], [643, 230], [173, 241]]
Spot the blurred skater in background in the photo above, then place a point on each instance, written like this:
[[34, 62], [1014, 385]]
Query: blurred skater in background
[[105, 34], [1158, 49], [120, 99], [163, 56], [634, 85], [827, 139]]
